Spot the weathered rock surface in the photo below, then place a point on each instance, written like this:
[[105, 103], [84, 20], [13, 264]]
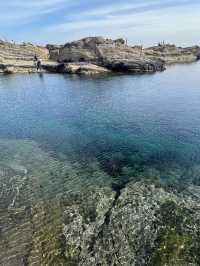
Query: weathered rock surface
[[84, 68], [94, 52], [76, 68], [51, 215], [16, 58], [144, 226], [170, 54], [115, 55], [54, 51], [137, 66], [118, 56]]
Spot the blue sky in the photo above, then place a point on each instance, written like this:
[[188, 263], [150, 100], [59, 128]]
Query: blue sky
[[140, 21]]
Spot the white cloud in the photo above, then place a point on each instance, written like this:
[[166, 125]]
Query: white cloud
[[109, 18], [117, 8], [36, 3], [151, 25], [22, 11], [62, 20]]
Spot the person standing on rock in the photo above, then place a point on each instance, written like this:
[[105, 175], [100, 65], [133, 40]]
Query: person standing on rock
[[35, 58], [39, 65]]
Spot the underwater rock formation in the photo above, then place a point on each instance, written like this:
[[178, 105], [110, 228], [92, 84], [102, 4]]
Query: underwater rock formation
[[144, 226], [54, 213]]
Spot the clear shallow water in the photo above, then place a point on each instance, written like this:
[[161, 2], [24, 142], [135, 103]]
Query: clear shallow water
[[116, 124]]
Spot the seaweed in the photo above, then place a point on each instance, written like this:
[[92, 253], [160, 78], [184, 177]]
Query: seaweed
[[177, 242]]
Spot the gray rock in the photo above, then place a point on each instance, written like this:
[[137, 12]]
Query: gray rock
[[137, 66], [171, 54], [137, 225], [16, 58], [115, 55]]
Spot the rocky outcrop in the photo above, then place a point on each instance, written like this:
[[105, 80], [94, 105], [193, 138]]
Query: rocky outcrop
[[93, 55], [137, 66], [54, 51], [76, 68], [20, 57], [84, 68], [115, 55], [171, 54]]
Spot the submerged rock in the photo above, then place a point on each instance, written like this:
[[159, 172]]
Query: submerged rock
[[133, 229], [135, 224], [56, 212]]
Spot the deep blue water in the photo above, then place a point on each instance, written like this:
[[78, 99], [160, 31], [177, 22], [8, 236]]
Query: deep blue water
[[126, 119]]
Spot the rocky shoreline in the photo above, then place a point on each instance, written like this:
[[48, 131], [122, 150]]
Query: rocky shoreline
[[93, 55]]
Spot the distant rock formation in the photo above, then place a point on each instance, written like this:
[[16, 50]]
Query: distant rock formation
[[91, 53], [54, 51], [20, 57], [172, 54], [115, 55]]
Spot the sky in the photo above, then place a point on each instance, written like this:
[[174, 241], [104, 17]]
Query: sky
[[143, 22]]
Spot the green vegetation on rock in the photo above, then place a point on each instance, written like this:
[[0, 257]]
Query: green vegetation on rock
[[178, 238]]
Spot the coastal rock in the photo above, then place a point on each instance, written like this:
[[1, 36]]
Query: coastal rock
[[54, 51], [55, 213], [137, 66], [134, 224], [16, 58], [76, 68], [9, 70], [141, 226], [84, 68], [171, 54], [91, 52], [115, 55]]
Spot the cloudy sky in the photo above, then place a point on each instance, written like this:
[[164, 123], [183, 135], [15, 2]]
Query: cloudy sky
[[140, 21]]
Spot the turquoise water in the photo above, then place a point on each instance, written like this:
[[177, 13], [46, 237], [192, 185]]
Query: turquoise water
[[109, 128]]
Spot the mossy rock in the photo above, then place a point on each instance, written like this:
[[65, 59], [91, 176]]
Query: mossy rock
[[178, 244]]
